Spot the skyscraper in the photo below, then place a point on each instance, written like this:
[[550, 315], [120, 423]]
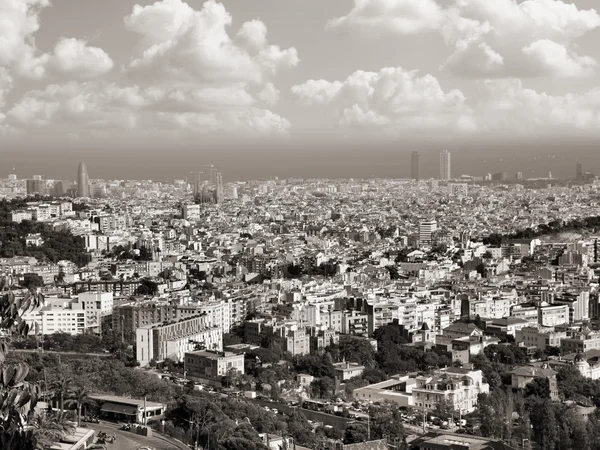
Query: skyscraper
[[445, 166], [414, 166], [83, 181], [36, 187], [579, 171]]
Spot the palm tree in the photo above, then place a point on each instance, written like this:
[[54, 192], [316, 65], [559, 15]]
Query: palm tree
[[50, 427], [61, 388], [79, 397]]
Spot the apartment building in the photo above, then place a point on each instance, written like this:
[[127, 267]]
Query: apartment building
[[96, 305], [539, 337], [578, 304], [552, 315], [219, 313], [171, 340], [295, 341], [355, 322], [580, 341], [56, 319]]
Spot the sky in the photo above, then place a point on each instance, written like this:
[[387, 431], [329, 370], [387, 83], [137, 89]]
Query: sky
[[298, 87]]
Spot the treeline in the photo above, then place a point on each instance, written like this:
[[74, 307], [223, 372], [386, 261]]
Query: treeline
[[114, 343], [555, 226], [57, 245]]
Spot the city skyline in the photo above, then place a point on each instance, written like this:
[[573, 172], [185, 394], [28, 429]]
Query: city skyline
[[534, 162]]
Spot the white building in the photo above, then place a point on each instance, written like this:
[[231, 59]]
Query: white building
[[454, 384], [56, 319], [171, 340], [96, 305], [191, 212]]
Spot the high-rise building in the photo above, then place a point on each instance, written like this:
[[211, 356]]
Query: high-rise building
[[519, 175], [12, 177], [414, 166], [37, 177], [500, 176], [426, 230], [579, 171], [36, 187], [83, 181], [445, 166]]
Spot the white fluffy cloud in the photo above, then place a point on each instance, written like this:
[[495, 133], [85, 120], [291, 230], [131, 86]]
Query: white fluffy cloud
[[74, 57], [19, 20], [393, 98], [100, 106], [396, 16], [182, 44], [488, 38], [504, 38], [189, 76]]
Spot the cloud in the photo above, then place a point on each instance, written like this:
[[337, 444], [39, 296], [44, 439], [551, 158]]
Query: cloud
[[182, 44], [269, 95], [6, 84], [73, 57], [393, 99], [488, 38], [101, 106], [391, 16], [19, 21], [510, 107], [188, 76], [504, 38]]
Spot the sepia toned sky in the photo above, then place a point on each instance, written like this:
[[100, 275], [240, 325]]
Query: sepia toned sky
[[132, 74]]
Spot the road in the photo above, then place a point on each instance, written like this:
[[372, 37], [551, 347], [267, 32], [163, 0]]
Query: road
[[126, 440], [315, 416]]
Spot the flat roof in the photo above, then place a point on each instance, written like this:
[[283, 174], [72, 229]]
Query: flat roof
[[125, 401], [77, 440]]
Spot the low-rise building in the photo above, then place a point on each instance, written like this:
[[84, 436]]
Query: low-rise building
[[539, 337], [211, 366], [397, 389], [522, 376], [347, 370], [454, 384]]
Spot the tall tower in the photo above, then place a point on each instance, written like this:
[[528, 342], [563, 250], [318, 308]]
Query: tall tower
[[445, 166], [579, 171], [414, 166], [220, 194], [83, 181]]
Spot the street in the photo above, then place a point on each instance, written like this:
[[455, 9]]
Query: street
[[126, 440]]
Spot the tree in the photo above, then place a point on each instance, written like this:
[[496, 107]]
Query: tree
[[147, 287], [32, 281], [544, 423], [444, 409], [79, 397], [19, 396], [355, 433], [61, 389], [50, 427]]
